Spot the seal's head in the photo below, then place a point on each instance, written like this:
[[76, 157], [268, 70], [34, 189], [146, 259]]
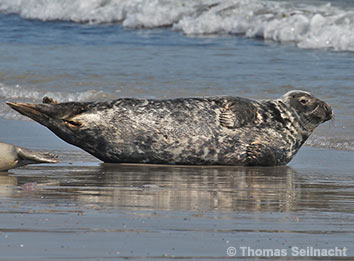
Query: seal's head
[[310, 110]]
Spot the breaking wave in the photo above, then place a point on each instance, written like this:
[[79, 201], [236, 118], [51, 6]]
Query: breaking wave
[[306, 25]]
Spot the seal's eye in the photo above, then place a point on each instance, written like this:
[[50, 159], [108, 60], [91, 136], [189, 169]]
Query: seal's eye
[[303, 101]]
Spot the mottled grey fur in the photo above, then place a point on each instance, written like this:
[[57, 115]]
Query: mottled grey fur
[[198, 131]]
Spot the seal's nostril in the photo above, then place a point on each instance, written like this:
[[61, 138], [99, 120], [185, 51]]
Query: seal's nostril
[[328, 111]]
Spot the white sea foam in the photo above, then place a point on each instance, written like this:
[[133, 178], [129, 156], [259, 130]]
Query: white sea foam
[[307, 26], [343, 143]]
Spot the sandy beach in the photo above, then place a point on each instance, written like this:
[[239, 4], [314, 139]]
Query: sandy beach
[[84, 209]]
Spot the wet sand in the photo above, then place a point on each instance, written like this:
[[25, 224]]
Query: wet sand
[[86, 210]]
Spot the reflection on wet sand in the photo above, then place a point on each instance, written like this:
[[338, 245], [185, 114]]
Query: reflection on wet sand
[[181, 188], [154, 187], [165, 187], [188, 212]]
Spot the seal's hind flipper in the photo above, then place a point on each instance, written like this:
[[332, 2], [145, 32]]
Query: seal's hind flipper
[[48, 100], [33, 157]]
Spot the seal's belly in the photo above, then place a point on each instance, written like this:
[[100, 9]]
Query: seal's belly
[[215, 147]]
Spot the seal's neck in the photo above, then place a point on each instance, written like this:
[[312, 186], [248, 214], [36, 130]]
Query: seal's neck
[[295, 124], [294, 116]]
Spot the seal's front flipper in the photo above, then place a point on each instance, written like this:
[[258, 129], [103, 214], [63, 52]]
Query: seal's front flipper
[[227, 118], [237, 113], [266, 155]]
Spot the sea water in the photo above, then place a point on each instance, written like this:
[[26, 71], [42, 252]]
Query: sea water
[[83, 50]]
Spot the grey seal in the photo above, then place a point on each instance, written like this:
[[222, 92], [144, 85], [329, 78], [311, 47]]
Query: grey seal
[[12, 156], [189, 131]]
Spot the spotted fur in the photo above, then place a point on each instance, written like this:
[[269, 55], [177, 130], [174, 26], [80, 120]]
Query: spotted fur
[[197, 131]]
